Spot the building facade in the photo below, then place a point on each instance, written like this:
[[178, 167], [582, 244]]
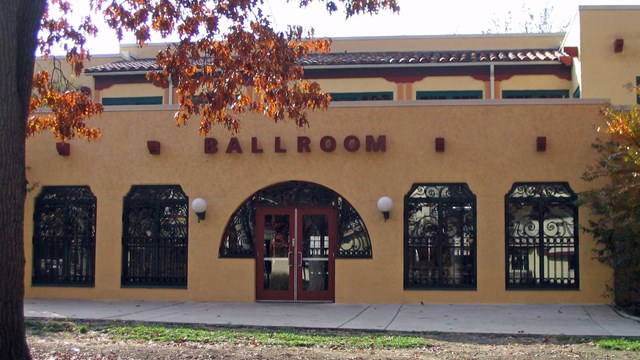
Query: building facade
[[480, 153]]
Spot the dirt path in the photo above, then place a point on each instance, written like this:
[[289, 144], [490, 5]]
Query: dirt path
[[449, 346]]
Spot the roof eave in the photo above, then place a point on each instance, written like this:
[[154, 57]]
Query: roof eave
[[111, 73], [368, 66], [486, 63]]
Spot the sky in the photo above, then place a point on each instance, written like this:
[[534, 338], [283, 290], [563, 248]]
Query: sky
[[416, 17]]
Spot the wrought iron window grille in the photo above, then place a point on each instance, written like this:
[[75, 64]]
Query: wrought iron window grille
[[155, 236], [440, 237], [64, 237], [541, 236]]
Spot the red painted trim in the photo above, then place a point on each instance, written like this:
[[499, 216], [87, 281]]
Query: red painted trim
[[541, 143], [481, 77], [403, 79], [408, 74], [64, 149], [566, 60], [154, 147], [392, 74], [261, 265], [332, 232], [571, 50], [105, 82], [506, 72], [501, 77]]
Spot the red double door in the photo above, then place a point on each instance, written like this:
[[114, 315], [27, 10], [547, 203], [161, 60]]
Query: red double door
[[295, 254]]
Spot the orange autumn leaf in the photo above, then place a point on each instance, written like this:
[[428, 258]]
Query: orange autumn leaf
[[228, 60]]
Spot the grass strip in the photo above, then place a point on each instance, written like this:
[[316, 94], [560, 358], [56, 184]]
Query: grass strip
[[280, 337], [273, 337], [621, 344]]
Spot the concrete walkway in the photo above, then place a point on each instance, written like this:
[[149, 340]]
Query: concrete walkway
[[585, 320]]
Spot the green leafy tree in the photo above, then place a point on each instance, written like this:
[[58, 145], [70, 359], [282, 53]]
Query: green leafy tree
[[616, 202], [223, 48]]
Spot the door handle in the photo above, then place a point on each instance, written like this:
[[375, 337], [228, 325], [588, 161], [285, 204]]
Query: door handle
[[300, 263], [289, 258]]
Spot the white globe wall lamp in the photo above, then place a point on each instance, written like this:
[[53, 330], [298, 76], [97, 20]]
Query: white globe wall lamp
[[385, 204], [199, 206]]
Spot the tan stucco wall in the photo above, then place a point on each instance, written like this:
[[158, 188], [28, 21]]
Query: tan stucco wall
[[487, 146], [446, 83], [535, 82], [357, 85], [605, 72]]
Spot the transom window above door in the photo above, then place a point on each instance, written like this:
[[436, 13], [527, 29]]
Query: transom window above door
[[238, 240]]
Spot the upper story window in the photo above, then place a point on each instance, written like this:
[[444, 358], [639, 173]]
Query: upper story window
[[535, 94], [362, 96], [440, 237], [64, 236], [136, 100], [449, 95], [542, 236], [155, 236]]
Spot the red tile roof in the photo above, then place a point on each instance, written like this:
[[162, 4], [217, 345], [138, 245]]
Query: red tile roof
[[390, 59], [125, 66], [432, 57]]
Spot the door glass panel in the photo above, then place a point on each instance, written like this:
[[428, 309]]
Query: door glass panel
[[276, 252], [315, 253]]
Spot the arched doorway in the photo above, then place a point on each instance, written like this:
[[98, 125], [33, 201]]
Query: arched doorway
[[295, 230]]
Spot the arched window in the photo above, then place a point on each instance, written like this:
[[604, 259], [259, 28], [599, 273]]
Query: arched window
[[155, 236], [440, 237], [238, 240], [541, 236], [64, 236]]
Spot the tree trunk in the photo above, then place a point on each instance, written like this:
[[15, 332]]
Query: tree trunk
[[19, 24]]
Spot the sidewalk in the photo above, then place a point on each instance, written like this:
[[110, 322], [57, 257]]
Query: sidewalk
[[580, 320]]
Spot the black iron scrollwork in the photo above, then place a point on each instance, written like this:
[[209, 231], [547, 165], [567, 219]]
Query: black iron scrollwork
[[155, 236], [440, 237], [541, 235], [64, 236], [238, 240]]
